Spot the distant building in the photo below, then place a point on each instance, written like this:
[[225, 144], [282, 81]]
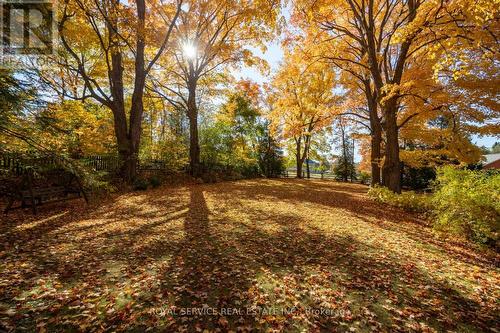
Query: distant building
[[492, 161]]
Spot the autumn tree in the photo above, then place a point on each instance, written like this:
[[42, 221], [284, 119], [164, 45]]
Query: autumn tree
[[386, 38], [438, 117], [76, 128], [111, 47], [305, 101], [349, 55], [212, 36], [239, 127], [361, 108]]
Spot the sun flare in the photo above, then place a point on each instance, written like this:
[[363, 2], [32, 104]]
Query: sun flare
[[189, 50]]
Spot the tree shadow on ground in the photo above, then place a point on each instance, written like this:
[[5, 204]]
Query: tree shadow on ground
[[250, 269], [143, 261], [352, 199]]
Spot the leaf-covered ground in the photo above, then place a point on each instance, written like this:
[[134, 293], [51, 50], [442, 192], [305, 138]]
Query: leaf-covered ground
[[256, 255]]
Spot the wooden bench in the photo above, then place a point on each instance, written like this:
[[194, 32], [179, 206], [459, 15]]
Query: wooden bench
[[31, 195], [43, 194]]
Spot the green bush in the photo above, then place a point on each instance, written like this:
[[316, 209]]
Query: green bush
[[154, 181], [409, 201], [467, 203], [417, 178], [364, 177], [140, 184], [269, 154]]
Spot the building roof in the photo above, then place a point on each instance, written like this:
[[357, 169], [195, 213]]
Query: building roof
[[490, 158]]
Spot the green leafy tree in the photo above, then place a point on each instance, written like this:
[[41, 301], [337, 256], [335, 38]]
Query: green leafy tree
[[270, 155], [16, 98], [232, 141], [495, 149], [345, 167]]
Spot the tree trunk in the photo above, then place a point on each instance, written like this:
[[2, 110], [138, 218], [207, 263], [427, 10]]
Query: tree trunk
[[352, 167], [126, 151], [128, 135], [128, 159], [127, 129], [137, 106], [268, 159], [298, 158], [194, 145], [125, 148], [376, 132], [375, 156], [391, 171], [307, 164], [344, 151]]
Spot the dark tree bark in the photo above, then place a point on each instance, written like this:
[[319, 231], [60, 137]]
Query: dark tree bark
[[376, 137], [298, 157], [128, 133], [137, 107], [344, 151], [128, 136], [194, 146], [301, 158], [386, 64], [391, 171], [375, 156], [117, 104], [307, 164]]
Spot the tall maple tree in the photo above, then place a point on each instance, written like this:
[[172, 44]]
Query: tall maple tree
[[385, 39], [111, 47], [304, 102], [212, 36]]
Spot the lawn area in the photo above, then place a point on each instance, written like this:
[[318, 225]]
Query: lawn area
[[279, 255]]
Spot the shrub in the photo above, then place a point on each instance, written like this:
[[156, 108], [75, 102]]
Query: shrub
[[209, 177], [140, 184], [417, 178], [364, 177], [467, 203], [154, 181], [249, 170], [409, 201], [344, 169]]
